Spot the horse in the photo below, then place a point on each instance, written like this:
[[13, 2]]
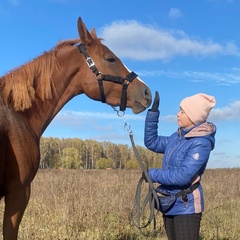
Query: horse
[[31, 96]]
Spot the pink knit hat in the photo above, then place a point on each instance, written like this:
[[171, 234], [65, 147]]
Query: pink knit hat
[[198, 106]]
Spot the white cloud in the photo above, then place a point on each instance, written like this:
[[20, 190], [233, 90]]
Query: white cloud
[[135, 40], [229, 112], [67, 115], [224, 78]]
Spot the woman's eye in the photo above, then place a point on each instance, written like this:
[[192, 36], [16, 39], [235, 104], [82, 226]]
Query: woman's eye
[[181, 111]]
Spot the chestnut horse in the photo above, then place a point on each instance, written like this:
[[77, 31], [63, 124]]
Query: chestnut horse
[[32, 95]]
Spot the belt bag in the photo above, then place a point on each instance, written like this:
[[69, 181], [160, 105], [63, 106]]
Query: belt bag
[[167, 198]]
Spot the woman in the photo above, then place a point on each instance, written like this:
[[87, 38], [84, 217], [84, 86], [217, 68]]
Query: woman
[[186, 153]]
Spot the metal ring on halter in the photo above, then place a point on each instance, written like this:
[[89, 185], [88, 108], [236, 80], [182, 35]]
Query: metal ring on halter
[[125, 81], [119, 113]]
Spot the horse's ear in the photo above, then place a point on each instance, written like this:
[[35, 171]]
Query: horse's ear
[[84, 34], [93, 33]]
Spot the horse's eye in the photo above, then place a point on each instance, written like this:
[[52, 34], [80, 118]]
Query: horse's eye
[[111, 59]]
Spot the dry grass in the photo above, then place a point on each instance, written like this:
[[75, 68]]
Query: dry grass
[[71, 205]]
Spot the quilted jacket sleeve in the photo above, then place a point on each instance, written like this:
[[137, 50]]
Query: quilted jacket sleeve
[[151, 139]]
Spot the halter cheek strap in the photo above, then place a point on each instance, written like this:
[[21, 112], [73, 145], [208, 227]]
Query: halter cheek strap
[[129, 78], [100, 77]]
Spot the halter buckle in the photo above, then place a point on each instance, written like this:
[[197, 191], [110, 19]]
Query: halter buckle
[[125, 81], [90, 62]]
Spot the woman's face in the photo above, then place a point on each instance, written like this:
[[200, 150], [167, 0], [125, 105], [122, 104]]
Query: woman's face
[[183, 120]]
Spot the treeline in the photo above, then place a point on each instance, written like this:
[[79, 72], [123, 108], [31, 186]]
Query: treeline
[[75, 153]]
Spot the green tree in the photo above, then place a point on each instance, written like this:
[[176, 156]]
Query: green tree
[[70, 158], [50, 152], [104, 163], [132, 164], [76, 153]]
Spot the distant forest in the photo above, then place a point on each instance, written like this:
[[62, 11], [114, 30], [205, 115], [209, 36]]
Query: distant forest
[[75, 153]]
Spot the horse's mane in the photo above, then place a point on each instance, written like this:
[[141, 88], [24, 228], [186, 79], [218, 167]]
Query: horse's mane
[[19, 87]]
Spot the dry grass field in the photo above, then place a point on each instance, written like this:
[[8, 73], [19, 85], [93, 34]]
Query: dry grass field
[[72, 205]]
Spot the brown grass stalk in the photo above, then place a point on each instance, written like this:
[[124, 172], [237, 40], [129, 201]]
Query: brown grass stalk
[[81, 204]]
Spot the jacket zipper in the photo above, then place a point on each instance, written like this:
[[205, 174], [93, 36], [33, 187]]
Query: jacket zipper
[[179, 141]]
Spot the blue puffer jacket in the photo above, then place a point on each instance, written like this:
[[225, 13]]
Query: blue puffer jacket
[[186, 153]]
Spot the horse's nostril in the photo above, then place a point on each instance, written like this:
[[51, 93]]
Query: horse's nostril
[[148, 94]]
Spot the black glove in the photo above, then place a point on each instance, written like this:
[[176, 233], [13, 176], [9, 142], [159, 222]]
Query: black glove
[[156, 101]]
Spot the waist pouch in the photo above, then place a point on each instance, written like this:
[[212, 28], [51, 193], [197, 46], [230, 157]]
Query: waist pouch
[[167, 198]]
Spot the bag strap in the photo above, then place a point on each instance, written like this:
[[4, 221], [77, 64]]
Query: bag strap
[[188, 190]]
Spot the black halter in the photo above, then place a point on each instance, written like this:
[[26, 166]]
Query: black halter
[[100, 77]]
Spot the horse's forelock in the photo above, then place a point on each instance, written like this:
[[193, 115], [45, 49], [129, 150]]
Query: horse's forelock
[[66, 43], [70, 43]]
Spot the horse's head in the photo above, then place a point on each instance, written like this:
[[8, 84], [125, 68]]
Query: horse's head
[[110, 80]]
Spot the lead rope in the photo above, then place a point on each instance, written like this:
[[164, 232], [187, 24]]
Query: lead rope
[[151, 200]]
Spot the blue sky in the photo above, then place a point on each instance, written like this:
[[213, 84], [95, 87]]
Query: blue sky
[[178, 48]]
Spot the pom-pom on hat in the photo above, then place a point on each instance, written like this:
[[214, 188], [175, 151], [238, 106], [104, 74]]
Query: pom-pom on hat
[[198, 106]]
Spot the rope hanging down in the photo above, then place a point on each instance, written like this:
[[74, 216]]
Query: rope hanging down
[[151, 200]]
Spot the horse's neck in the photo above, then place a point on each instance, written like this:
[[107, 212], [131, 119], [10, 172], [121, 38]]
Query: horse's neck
[[42, 113]]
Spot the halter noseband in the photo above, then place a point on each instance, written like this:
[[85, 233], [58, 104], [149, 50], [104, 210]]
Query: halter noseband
[[100, 77]]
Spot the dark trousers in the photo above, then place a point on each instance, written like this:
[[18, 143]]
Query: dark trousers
[[182, 227]]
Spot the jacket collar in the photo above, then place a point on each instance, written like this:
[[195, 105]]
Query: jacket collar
[[199, 130]]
